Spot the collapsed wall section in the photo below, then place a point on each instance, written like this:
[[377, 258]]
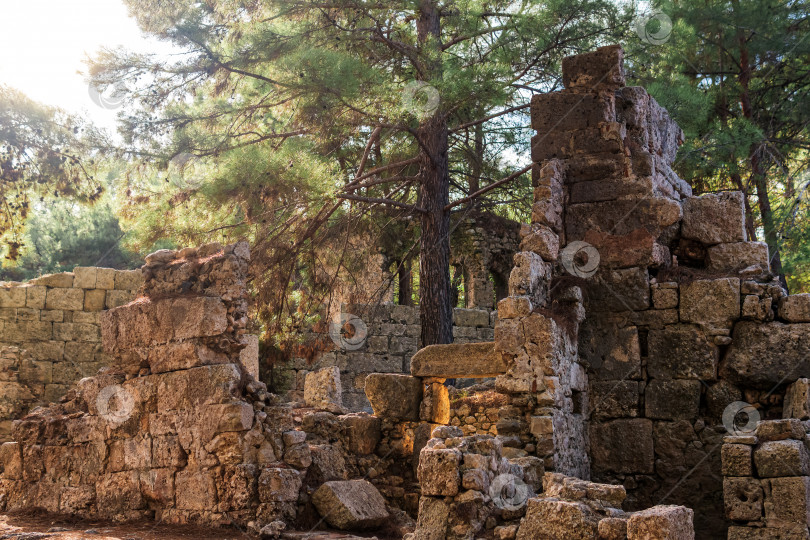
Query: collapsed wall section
[[50, 334], [176, 429]]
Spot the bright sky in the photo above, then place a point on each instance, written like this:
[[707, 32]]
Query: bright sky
[[43, 44]]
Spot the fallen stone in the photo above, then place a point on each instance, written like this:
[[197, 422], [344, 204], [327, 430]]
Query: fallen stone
[[350, 504], [661, 523], [554, 519]]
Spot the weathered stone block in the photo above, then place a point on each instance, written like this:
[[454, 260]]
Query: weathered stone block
[[672, 399], [738, 256], [621, 289], [94, 300], [114, 299], [610, 451], [192, 388], [530, 277], [782, 458], [146, 323], [471, 317], [681, 351], [714, 218], [664, 298], [791, 499], [765, 355], [66, 299], [435, 407], [279, 484], [636, 248], [736, 459], [350, 504], [118, 492], [394, 395], [64, 280], [323, 390], [195, 489], [105, 278], [566, 111], [472, 360], [362, 431], [34, 296], [438, 471], [433, 519], [541, 240], [795, 308], [549, 518], [128, 280], [621, 217], [713, 302], [742, 498], [797, 400], [614, 399], [611, 353], [662, 523], [12, 297], [602, 69], [84, 277], [779, 430]]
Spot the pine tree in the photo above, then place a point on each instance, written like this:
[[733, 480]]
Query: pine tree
[[381, 96]]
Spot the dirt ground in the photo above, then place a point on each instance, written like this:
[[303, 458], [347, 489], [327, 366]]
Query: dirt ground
[[38, 526]]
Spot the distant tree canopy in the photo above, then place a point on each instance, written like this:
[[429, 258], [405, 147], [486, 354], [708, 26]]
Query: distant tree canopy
[[42, 154], [736, 76]]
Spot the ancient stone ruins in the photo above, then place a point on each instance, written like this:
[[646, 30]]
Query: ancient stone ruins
[[645, 381]]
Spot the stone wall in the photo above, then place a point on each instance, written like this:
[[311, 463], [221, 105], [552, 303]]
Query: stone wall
[[385, 338], [50, 335]]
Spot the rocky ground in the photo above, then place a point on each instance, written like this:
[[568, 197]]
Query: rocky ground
[[32, 526]]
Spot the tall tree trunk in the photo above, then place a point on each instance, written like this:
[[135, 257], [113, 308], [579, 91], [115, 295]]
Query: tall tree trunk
[[434, 194], [405, 284], [757, 172]]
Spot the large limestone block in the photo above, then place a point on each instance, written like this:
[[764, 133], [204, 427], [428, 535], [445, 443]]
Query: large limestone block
[[432, 521], [714, 302], [611, 353], [714, 218], [791, 499], [662, 523], [738, 256], [179, 356], [322, 389], [65, 299], [622, 289], [457, 360], [438, 471], [610, 451], [607, 137], [145, 323], [637, 248], [196, 489], [191, 388], [681, 351], [764, 355], [550, 519], [782, 458], [602, 69], [350, 504], [563, 111], [12, 297], [672, 399], [393, 395], [530, 277], [363, 432], [621, 217], [795, 308], [742, 498]]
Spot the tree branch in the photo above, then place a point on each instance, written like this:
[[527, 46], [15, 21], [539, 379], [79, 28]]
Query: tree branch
[[398, 204], [488, 188]]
